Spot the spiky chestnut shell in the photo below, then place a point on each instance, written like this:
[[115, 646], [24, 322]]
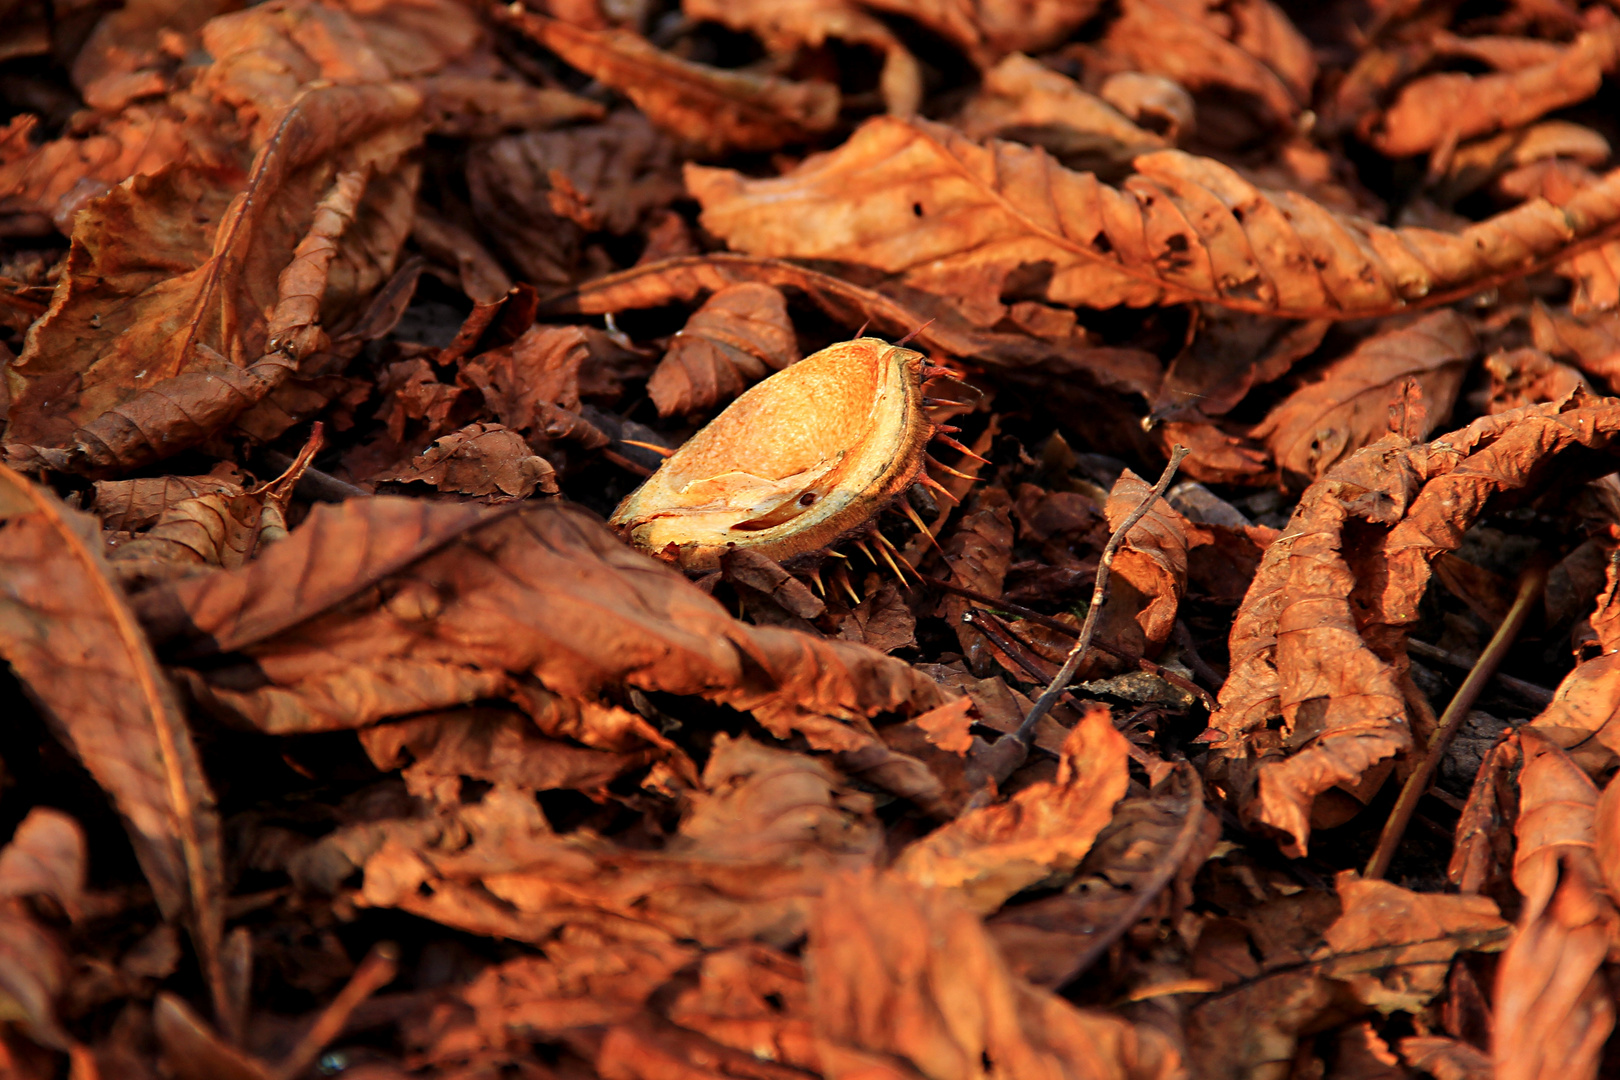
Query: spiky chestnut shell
[[802, 459]]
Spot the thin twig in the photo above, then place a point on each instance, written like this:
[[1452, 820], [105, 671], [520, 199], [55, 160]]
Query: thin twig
[[376, 971], [1531, 584], [1528, 692], [1099, 596]]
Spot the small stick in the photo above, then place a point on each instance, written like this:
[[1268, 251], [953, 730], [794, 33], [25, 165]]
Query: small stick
[[376, 971], [1531, 584], [1099, 596]]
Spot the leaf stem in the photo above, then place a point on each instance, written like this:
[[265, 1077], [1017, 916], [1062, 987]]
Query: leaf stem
[[1531, 584]]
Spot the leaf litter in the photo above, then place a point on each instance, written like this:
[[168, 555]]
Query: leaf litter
[[346, 737]]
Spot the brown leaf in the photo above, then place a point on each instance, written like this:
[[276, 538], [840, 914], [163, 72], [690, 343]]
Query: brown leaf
[[989, 29], [574, 608], [904, 982], [172, 318], [937, 326], [1554, 1008], [1150, 570], [533, 384], [1182, 228], [480, 459], [881, 621], [1482, 853], [1591, 344], [1152, 841], [751, 570], [1247, 47], [739, 336], [713, 109], [1446, 1059], [978, 552], [1346, 405], [1025, 100], [1521, 377], [130, 505], [1232, 353], [1332, 678], [787, 25], [45, 857], [1044, 830], [71, 638], [623, 169], [1394, 946], [1446, 107]]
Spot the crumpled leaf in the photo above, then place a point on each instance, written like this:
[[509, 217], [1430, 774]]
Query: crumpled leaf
[[45, 856], [73, 641], [1521, 377], [536, 193], [936, 325], [480, 459], [1313, 700], [713, 109], [978, 552], [1346, 406], [989, 29], [172, 319], [1042, 831], [786, 25], [740, 335], [1150, 568], [1446, 107], [1152, 843], [1554, 1008], [130, 505], [577, 610], [904, 982], [1394, 946], [752, 851], [940, 213], [1025, 100], [1249, 47], [533, 384]]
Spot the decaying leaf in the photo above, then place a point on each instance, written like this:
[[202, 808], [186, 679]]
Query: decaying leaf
[[940, 213], [710, 108], [64, 614], [1046, 829], [1150, 571], [1315, 702], [45, 857], [793, 465], [1024, 100], [1346, 406], [481, 459], [740, 335]]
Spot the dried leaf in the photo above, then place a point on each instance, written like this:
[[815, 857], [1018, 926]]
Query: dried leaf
[[1554, 1008], [942, 214], [1447, 107], [1346, 406], [130, 505], [63, 615], [881, 621], [713, 109], [1150, 570], [786, 25], [481, 459], [1394, 946], [978, 552], [1331, 678], [1151, 842], [905, 982], [45, 857], [1521, 377], [739, 336], [1044, 830], [1024, 100], [989, 29]]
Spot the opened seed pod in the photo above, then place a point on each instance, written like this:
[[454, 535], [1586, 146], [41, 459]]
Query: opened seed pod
[[803, 459]]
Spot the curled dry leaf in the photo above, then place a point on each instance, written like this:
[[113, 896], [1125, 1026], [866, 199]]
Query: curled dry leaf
[[907, 978], [129, 505], [475, 604], [1151, 842], [1150, 568], [1521, 377], [1249, 47], [1442, 108], [1042, 831], [188, 296], [753, 850], [534, 384], [804, 458], [937, 327], [989, 29], [1025, 100], [943, 214], [786, 25], [1314, 701], [710, 108], [480, 459], [70, 637], [741, 334], [45, 857], [1346, 405], [1554, 1008], [1394, 946]]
